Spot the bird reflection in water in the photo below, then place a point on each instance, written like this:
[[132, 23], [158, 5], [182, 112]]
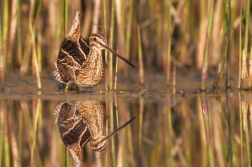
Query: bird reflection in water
[[81, 122]]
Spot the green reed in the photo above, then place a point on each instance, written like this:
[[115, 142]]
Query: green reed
[[140, 56], [20, 133], [228, 53], [170, 131], [205, 114], [7, 158], [130, 147], [116, 71], [33, 42], [68, 164], [65, 16], [221, 67], [247, 26], [4, 33], [19, 34], [240, 49], [1, 133], [105, 30], [204, 72], [169, 25], [229, 132], [111, 40], [241, 127], [35, 125], [112, 123], [106, 132], [247, 146], [129, 28], [140, 132]]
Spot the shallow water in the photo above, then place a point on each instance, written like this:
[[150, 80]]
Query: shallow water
[[170, 129]]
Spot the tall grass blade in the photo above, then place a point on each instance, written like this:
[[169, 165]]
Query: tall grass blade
[[7, 158], [140, 134], [204, 72], [110, 63], [244, 71], [34, 52], [241, 129], [205, 114], [20, 133], [228, 56], [140, 56], [120, 32], [113, 149], [129, 27], [105, 30], [169, 128], [229, 132], [3, 37], [35, 125], [169, 22], [2, 123], [240, 48], [116, 71], [19, 56], [221, 66], [65, 16], [247, 26]]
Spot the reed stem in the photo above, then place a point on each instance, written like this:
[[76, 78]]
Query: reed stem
[[221, 66], [110, 65], [35, 125], [205, 114], [116, 70], [228, 56], [204, 72], [240, 50], [6, 151], [2, 110], [241, 129], [247, 26], [105, 30], [34, 52], [65, 16], [140, 56], [169, 22]]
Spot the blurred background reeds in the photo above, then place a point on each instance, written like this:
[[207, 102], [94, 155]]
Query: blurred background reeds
[[154, 34]]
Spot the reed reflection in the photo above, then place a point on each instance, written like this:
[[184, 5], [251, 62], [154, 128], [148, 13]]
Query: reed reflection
[[81, 122]]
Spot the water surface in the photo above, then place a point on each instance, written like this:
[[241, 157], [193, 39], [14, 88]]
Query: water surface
[[171, 129]]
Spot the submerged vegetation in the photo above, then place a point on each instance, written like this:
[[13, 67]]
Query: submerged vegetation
[[158, 34]]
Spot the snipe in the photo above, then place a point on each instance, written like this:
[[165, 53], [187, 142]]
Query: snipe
[[81, 122], [79, 62]]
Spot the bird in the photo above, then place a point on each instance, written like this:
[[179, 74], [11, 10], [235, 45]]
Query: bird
[[80, 122], [81, 63]]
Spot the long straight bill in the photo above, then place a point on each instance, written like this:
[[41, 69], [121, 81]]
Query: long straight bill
[[117, 130], [116, 54]]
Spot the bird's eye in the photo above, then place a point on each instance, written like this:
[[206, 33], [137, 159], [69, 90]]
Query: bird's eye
[[96, 144], [95, 39]]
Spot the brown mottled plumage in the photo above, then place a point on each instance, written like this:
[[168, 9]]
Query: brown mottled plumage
[[80, 63], [81, 122]]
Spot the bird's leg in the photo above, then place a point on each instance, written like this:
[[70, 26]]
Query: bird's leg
[[78, 89], [99, 89], [66, 89]]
